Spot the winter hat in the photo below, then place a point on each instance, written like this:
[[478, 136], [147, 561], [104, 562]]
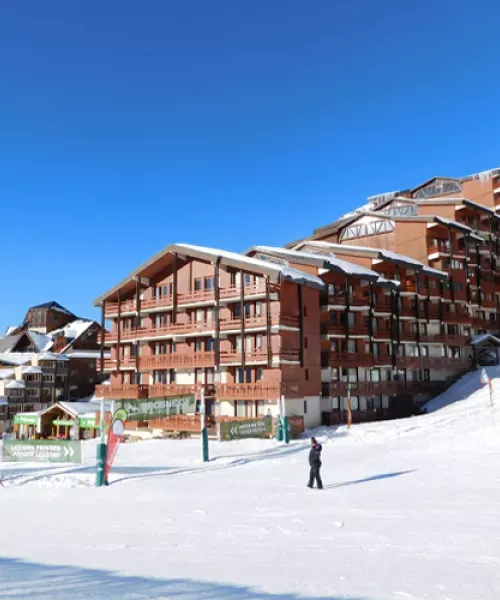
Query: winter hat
[[313, 440]]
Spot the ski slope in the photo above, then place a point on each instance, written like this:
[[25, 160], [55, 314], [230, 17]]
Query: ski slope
[[410, 510]]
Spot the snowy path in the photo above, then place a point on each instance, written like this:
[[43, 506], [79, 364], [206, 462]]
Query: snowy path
[[411, 510]]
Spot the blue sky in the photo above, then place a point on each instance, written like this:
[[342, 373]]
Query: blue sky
[[128, 125]]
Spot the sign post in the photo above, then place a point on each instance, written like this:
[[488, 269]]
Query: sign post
[[279, 421], [101, 450], [204, 430]]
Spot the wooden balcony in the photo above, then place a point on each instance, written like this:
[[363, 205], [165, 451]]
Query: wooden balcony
[[117, 392], [194, 297], [125, 363], [236, 357], [453, 317], [382, 333], [256, 391], [177, 361], [383, 307], [165, 390], [358, 388], [350, 359], [248, 290], [354, 300]]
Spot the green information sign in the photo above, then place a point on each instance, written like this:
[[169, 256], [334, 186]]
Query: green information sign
[[42, 451], [87, 423], [63, 422], [252, 428], [24, 419], [142, 410]]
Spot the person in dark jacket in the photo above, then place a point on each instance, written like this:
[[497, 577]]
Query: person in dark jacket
[[315, 464]]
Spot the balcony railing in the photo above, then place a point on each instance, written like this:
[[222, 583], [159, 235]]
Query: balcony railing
[[350, 359], [256, 391], [194, 297], [128, 362], [383, 307], [354, 300], [236, 357], [177, 360], [125, 391]]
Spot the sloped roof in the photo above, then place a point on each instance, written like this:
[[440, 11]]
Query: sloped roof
[[231, 259], [52, 305]]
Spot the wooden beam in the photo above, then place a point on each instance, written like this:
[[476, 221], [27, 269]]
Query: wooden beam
[[268, 324], [118, 334], [217, 312], [242, 325], [103, 331], [300, 302], [175, 283]]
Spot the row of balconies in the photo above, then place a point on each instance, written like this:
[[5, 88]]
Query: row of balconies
[[195, 297], [354, 359], [222, 391], [191, 360], [383, 388], [192, 327]]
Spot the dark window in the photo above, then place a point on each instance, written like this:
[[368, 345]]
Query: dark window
[[305, 407], [307, 374], [305, 311], [198, 284], [305, 343]]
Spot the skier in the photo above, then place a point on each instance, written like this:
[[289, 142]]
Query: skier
[[315, 464]]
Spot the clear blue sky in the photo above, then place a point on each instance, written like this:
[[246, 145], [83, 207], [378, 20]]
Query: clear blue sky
[[128, 125]]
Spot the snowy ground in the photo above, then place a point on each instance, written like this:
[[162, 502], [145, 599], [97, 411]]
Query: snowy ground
[[411, 509]]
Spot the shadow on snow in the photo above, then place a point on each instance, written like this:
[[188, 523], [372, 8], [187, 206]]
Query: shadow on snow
[[43, 582], [368, 479]]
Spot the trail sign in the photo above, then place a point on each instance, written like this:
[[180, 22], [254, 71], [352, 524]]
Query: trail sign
[[87, 423], [55, 451], [156, 408], [252, 428], [26, 419]]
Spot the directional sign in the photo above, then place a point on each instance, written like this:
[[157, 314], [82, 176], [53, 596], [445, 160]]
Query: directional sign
[[55, 451], [87, 423], [26, 419], [252, 428], [156, 408]]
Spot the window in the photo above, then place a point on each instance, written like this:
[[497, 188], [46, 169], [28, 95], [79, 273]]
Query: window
[[33, 392], [241, 408], [209, 344], [200, 315], [199, 346], [258, 309], [307, 374], [237, 311], [240, 376], [248, 311], [198, 284], [335, 374], [248, 344], [305, 311], [259, 374], [375, 375], [248, 373], [354, 402], [258, 341], [48, 378], [210, 375], [334, 345], [200, 376], [210, 315], [305, 343], [335, 403], [209, 283], [248, 279], [305, 407]]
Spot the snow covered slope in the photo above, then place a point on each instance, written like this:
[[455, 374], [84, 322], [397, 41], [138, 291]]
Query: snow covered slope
[[410, 510]]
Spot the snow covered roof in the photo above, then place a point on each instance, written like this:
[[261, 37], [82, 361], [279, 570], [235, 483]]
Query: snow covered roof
[[485, 337], [231, 259], [80, 408], [6, 373], [15, 385], [16, 358], [42, 342], [31, 370], [378, 253], [326, 261], [52, 356], [87, 354]]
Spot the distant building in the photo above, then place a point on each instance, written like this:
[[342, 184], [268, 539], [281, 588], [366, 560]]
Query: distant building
[[54, 355]]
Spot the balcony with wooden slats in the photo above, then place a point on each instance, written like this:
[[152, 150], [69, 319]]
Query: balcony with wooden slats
[[123, 391], [256, 391]]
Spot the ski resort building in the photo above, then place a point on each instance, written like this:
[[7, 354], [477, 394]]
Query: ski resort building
[[52, 356], [245, 330], [386, 306]]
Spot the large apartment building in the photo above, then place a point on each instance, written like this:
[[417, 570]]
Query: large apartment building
[[386, 306], [245, 330]]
